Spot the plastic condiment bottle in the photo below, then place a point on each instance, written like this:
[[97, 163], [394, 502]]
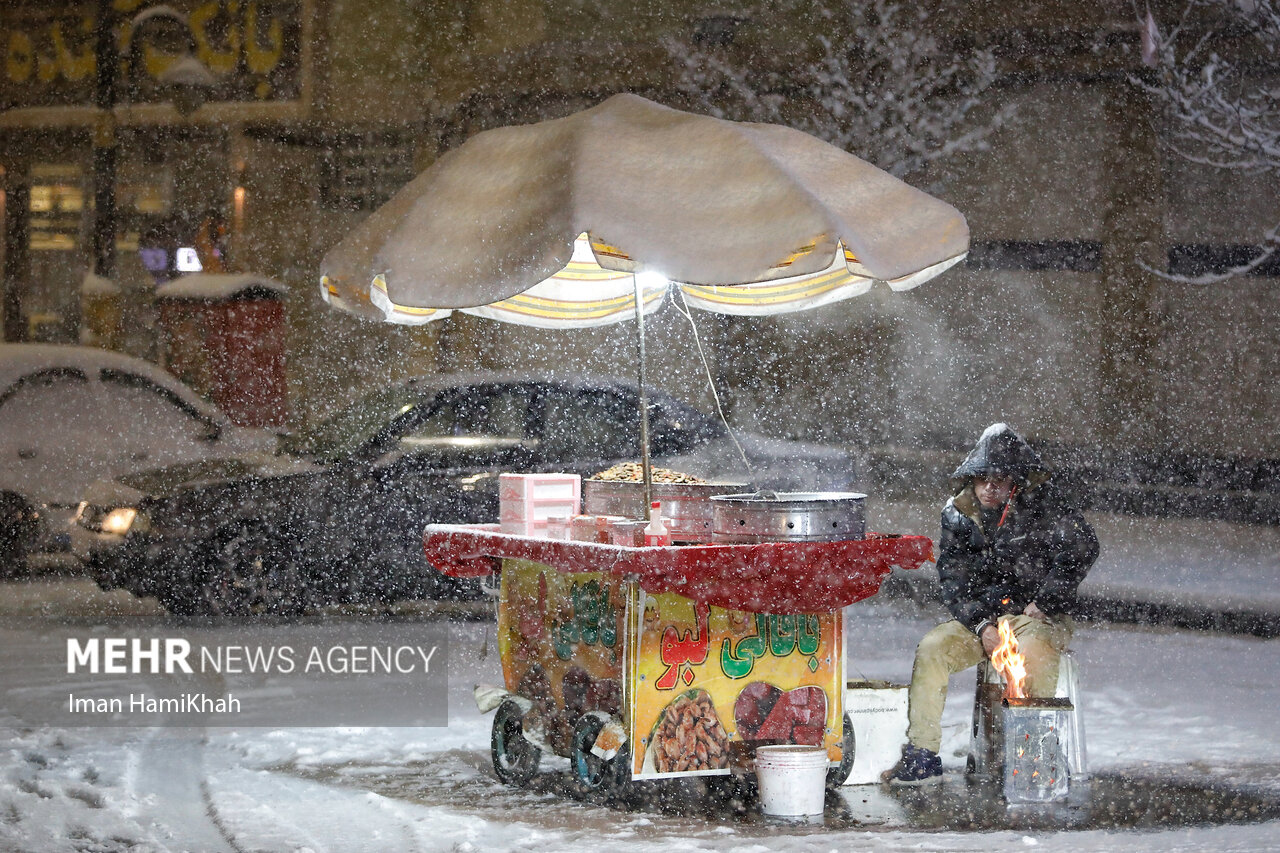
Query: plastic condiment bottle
[[655, 532]]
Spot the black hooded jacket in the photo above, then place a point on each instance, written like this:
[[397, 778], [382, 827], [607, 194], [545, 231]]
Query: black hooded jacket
[[1041, 552]]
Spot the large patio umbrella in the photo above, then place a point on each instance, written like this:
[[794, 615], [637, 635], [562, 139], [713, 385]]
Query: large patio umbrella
[[583, 220]]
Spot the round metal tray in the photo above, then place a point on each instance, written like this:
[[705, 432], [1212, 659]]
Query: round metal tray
[[789, 517]]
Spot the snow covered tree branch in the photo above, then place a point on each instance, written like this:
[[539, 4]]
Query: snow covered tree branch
[[879, 85], [1214, 80]]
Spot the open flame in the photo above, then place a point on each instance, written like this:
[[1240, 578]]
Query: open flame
[[1010, 663]]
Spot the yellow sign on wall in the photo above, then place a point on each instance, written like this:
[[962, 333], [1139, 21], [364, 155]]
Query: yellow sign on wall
[[252, 48]]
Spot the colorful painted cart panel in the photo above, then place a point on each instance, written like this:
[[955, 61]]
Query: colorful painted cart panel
[[705, 678], [694, 654]]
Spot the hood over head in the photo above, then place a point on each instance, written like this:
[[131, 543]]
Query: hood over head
[[1001, 452]]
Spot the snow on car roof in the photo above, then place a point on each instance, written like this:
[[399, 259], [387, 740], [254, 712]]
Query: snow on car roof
[[19, 360], [218, 286]]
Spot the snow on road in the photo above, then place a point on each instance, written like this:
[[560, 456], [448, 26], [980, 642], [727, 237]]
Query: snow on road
[[1157, 702]]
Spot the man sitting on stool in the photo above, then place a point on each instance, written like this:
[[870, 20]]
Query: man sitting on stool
[[1012, 549]]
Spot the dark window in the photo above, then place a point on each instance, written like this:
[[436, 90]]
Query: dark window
[[362, 173], [357, 423], [501, 413], [677, 428], [590, 424], [1199, 259]]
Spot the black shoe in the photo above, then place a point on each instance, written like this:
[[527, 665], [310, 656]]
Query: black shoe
[[916, 767]]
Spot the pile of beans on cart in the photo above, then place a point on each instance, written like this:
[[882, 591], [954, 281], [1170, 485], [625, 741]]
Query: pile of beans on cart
[[632, 472]]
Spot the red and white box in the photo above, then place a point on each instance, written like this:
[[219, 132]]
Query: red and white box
[[526, 501]]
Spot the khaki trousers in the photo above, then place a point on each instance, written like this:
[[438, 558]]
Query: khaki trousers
[[951, 647]]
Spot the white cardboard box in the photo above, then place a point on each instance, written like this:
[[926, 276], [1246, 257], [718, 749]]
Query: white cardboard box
[[526, 501], [878, 711], [520, 487]]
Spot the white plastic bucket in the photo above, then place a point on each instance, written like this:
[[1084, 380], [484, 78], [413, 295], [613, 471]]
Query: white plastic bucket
[[793, 779]]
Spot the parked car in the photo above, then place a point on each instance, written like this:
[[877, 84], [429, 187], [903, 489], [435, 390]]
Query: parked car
[[71, 415], [337, 514]]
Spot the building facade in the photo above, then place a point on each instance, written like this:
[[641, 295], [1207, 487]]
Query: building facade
[[323, 108]]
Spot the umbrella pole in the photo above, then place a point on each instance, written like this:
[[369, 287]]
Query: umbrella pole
[[646, 466]]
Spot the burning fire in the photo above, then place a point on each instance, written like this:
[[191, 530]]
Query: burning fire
[[1010, 663]]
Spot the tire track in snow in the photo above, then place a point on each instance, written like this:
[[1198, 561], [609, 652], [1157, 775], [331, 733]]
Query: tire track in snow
[[270, 810], [212, 811], [414, 829], [165, 777]]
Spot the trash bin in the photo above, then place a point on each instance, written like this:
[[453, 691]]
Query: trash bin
[[224, 336]]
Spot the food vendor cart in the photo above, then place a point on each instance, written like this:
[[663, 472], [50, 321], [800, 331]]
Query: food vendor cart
[[653, 662]]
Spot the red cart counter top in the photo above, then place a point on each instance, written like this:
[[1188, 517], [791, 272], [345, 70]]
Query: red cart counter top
[[771, 577]]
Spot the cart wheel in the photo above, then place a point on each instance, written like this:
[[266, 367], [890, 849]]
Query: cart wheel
[[515, 758], [592, 773], [848, 748]]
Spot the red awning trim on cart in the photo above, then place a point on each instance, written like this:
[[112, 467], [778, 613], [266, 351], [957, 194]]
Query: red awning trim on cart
[[771, 577]]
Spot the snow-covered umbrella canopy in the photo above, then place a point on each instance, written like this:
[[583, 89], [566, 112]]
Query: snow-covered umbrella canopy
[[570, 222]]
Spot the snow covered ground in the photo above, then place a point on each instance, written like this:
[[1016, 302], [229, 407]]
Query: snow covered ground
[[1160, 704]]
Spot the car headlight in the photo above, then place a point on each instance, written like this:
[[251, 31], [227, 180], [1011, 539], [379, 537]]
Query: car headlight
[[119, 520], [116, 520]]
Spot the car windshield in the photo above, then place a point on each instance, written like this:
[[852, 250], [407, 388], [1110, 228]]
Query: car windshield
[[683, 416], [352, 426]]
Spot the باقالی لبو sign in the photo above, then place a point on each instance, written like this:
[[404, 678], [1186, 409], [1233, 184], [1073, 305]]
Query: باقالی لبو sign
[[705, 677]]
